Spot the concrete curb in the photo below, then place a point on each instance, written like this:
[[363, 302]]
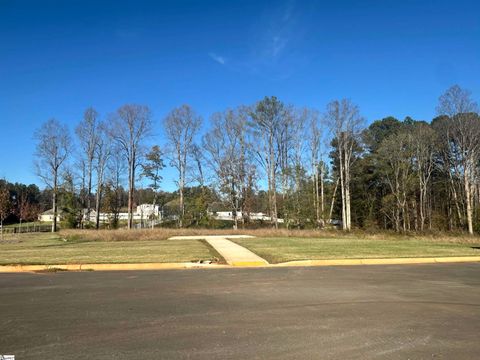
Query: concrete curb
[[172, 266], [388, 261], [244, 263], [106, 267]]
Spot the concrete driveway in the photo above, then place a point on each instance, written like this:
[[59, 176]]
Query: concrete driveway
[[366, 312]]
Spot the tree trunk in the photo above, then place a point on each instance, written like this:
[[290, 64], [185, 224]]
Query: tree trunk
[[97, 205], [54, 201], [421, 206], [348, 214], [314, 195], [322, 196], [455, 200], [334, 195], [342, 189], [130, 193], [273, 189], [468, 196], [235, 220], [89, 192], [182, 206], [415, 214], [154, 205]]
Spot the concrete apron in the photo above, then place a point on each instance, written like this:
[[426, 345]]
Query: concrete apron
[[234, 254]]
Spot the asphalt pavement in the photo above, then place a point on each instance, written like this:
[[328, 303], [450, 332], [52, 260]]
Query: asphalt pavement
[[429, 311]]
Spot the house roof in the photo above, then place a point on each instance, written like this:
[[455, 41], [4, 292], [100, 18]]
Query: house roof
[[50, 212]]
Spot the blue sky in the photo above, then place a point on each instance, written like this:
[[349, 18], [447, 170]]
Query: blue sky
[[390, 57]]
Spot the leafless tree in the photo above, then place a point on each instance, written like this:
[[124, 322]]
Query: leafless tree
[[181, 125], [345, 123], [53, 148], [87, 134], [114, 171], [318, 167], [267, 117], [228, 149], [285, 144], [25, 210], [129, 128], [296, 162], [463, 136], [449, 164], [103, 151], [424, 149], [397, 156], [199, 159]]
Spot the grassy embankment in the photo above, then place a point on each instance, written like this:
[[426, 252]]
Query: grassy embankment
[[47, 248], [276, 250], [123, 246]]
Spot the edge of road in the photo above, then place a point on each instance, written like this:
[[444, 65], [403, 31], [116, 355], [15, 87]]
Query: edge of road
[[177, 266]]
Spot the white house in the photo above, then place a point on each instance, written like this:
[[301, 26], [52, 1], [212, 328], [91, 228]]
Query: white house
[[228, 216], [146, 211], [47, 216], [143, 212]]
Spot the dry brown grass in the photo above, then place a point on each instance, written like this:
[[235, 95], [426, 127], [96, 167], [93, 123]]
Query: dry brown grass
[[165, 233]]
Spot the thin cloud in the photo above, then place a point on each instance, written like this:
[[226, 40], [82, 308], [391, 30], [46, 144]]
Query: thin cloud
[[217, 58], [276, 34], [277, 45], [274, 42]]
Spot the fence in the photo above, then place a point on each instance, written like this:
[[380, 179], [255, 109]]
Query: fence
[[26, 229]]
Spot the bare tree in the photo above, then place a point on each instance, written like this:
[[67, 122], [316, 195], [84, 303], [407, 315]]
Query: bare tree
[[198, 158], [463, 131], [228, 149], [25, 209], [345, 123], [129, 128], [285, 146], [424, 149], [113, 195], [53, 148], [103, 151], [318, 167], [181, 125], [449, 164], [296, 163], [267, 116], [397, 156], [87, 133]]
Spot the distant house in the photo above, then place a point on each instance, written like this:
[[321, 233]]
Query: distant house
[[143, 212], [47, 216], [228, 216], [146, 211]]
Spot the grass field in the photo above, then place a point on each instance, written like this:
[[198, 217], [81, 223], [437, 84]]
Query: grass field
[[165, 233], [276, 250], [47, 248], [123, 246]]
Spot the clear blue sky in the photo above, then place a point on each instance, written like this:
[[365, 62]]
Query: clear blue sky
[[390, 57]]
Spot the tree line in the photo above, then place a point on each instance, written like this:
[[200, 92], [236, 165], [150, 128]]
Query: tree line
[[307, 167]]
